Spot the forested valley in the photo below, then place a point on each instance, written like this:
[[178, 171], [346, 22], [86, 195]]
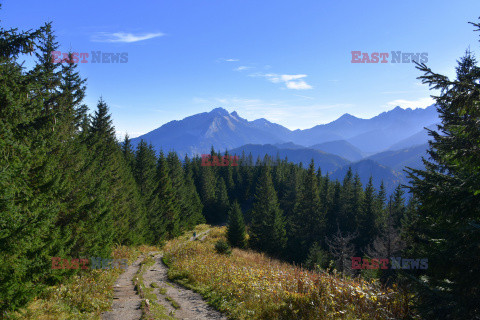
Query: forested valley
[[69, 188]]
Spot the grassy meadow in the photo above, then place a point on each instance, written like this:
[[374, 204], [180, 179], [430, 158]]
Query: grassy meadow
[[249, 285]]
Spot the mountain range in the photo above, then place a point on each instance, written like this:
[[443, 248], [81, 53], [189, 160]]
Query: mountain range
[[380, 146]]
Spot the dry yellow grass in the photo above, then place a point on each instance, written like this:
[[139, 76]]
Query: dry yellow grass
[[249, 285], [84, 296]]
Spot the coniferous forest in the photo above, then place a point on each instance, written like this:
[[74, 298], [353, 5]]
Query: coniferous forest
[[69, 188]]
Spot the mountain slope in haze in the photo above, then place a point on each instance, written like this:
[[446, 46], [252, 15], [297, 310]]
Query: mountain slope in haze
[[196, 134], [420, 137], [223, 130], [334, 144], [341, 148], [344, 127], [386, 166], [370, 135], [289, 145], [399, 159], [391, 127], [367, 168], [328, 162]]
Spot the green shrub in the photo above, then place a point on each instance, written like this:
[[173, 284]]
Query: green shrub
[[222, 247]]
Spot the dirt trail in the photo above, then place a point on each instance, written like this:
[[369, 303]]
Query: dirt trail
[[190, 305], [200, 236], [126, 302], [178, 301]]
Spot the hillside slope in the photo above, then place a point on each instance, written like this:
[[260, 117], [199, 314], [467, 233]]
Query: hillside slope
[[250, 285]]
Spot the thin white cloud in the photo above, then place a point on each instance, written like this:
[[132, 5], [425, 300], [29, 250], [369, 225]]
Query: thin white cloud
[[298, 85], [291, 81], [413, 104], [229, 60], [242, 68], [290, 77], [124, 37], [304, 97]]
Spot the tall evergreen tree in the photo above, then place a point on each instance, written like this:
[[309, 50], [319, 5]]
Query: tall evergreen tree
[[145, 169], [308, 223], [380, 205], [193, 203], [236, 234], [366, 223], [99, 225], [222, 203], [207, 185], [128, 152], [267, 229], [358, 197], [164, 219], [448, 192], [387, 244], [347, 217], [333, 212], [24, 216], [398, 206]]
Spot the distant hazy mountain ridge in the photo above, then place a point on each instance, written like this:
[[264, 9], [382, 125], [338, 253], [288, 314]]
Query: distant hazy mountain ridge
[[197, 133], [381, 146]]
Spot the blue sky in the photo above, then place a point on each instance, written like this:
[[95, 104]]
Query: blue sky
[[286, 61]]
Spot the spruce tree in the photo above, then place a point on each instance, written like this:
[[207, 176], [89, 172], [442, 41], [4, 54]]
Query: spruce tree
[[366, 223], [267, 229], [387, 244], [236, 234], [164, 218], [207, 192], [99, 221], [308, 222], [222, 203], [128, 153], [176, 173], [380, 201], [347, 216], [23, 217], [325, 192], [145, 170], [333, 212], [448, 193], [399, 208], [358, 197], [194, 205]]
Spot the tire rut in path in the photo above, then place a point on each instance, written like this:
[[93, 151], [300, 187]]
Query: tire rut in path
[[126, 301]]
